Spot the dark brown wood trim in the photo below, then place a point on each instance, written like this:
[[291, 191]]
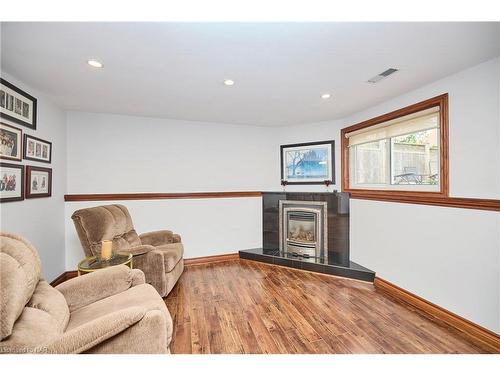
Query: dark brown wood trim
[[211, 259], [442, 102], [409, 197], [473, 330], [63, 277], [29, 194], [19, 146], [25, 149], [22, 171], [150, 196], [470, 203]]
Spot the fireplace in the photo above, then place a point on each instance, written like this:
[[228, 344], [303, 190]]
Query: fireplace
[[308, 231], [303, 228]]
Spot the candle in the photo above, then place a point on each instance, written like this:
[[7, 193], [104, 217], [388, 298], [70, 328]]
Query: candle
[[106, 250]]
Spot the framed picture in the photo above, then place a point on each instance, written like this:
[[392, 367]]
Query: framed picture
[[10, 142], [11, 182], [38, 182], [37, 149], [16, 105], [308, 163]]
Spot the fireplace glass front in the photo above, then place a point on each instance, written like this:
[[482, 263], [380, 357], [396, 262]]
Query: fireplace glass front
[[303, 228]]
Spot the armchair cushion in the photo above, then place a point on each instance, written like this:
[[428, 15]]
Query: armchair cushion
[[173, 253], [142, 295], [143, 337], [156, 238], [50, 300], [111, 222], [34, 328], [96, 331], [20, 271], [89, 288], [141, 249]]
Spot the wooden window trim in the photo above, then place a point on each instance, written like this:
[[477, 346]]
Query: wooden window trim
[[395, 195]]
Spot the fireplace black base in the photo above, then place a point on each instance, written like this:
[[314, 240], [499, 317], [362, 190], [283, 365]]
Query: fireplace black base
[[320, 265]]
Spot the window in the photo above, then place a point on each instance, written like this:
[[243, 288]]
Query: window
[[403, 151]]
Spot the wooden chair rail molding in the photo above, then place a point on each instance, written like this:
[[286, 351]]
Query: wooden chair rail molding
[[150, 196], [474, 331], [471, 203]]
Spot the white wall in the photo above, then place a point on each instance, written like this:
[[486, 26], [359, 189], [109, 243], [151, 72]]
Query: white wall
[[449, 256], [113, 154], [207, 226], [41, 220]]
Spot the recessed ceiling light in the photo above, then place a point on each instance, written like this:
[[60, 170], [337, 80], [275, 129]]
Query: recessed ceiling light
[[228, 82], [95, 63], [326, 96]]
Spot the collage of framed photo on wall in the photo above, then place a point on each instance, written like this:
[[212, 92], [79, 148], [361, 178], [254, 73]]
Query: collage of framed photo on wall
[[18, 181]]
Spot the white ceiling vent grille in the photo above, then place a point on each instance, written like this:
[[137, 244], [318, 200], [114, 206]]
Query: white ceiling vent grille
[[382, 75]]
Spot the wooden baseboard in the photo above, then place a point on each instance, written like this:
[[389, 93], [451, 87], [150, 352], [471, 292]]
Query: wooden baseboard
[[63, 277], [188, 262], [211, 259], [473, 330]]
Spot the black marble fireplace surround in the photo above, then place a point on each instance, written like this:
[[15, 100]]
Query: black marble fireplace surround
[[336, 260]]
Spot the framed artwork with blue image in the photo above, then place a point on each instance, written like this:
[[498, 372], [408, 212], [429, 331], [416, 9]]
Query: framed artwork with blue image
[[310, 163]]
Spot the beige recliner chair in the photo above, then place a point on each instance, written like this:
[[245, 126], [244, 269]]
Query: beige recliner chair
[[107, 311], [158, 254]]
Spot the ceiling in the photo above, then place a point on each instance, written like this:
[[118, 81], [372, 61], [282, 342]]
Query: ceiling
[[175, 70]]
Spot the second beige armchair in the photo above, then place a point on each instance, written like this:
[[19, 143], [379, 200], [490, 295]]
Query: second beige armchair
[[158, 254]]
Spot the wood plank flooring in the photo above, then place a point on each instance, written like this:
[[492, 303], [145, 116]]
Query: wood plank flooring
[[243, 306]]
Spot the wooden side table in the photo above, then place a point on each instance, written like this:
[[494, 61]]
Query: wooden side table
[[92, 264]]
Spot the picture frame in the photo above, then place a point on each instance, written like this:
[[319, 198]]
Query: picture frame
[[37, 149], [11, 140], [38, 182], [311, 163], [11, 182], [17, 105]]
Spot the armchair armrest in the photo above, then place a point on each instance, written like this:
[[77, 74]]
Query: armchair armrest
[[84, 290], [138, 250], [157, 238], [92, 333]]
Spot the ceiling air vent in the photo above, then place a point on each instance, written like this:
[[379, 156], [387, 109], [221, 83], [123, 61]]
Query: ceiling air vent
[[382, 75]]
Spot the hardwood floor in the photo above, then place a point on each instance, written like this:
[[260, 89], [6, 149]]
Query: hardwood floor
[[243, 306]]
